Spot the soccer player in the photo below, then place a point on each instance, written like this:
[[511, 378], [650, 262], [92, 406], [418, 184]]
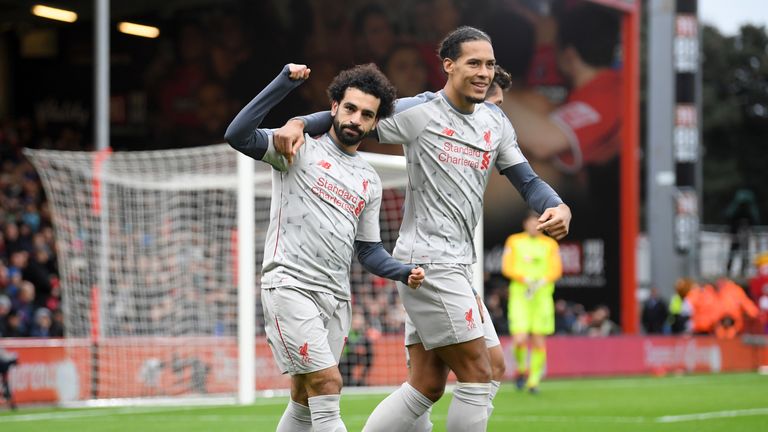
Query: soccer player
[[452, 140], [531, 262], [502, 80], [495, 95], [325, 206]]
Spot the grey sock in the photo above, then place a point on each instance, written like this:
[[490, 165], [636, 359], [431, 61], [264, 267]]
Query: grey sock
[[296, 418], [326, 414], [494, 389], [469, 407], [398, 411]]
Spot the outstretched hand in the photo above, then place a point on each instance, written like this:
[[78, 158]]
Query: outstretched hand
[[555, 221], [416, 277]]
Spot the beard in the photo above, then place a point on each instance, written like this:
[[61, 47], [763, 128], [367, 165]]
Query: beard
[[475, 100], [347, 134]]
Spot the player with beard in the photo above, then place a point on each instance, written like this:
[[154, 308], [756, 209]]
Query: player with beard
[[325, 207], [452, 141]]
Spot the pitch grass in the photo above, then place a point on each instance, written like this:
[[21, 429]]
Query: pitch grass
[[700, 403]]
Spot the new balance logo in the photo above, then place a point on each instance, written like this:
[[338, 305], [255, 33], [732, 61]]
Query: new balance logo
[[448, 131], [324, 164], [304, 353], [470, 319]]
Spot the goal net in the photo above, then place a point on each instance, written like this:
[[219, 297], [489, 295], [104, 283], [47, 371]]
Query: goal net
[[147, 246]]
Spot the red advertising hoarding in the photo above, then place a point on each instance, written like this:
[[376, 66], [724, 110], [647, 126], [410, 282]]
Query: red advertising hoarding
[[61, 371]]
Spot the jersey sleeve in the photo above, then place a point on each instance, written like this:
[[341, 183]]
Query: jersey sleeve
[[272, 157], [509, 150], [407, 122], [368, 225], [243, 133]]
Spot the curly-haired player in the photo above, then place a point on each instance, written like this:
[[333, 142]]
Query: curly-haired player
[[325, 207]]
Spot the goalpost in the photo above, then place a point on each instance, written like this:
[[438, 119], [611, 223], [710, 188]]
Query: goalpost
[[159, 257]]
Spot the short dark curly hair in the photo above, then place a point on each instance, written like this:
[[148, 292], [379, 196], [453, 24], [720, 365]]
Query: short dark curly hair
[[368, 79], [502, 78]]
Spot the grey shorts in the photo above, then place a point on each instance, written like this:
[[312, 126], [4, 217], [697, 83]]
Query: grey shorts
[[306, 330], [491, 337], [443, 310]]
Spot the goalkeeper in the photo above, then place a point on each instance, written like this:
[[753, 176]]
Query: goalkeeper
[[532, 263], [325, 206]]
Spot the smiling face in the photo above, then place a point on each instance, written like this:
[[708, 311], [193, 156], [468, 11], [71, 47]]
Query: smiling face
[[470, 74], [354, 117]]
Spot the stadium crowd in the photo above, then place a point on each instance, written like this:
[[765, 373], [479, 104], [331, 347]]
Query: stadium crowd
[[194, 83], [30, 300]]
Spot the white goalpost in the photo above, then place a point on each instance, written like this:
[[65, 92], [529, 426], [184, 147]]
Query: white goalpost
[[159, 256]]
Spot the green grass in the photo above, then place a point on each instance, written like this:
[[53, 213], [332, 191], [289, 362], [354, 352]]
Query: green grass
[[701, 403]]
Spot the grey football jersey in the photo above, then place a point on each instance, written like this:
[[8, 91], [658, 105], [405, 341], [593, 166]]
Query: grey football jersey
[[449, 159], [321, 204]]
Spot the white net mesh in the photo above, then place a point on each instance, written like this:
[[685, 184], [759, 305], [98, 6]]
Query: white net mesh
[[147, 254]]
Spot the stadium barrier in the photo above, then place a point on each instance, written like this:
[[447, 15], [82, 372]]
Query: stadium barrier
[[58, 370]]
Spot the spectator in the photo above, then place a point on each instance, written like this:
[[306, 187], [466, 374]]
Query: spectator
[[13, 243], [581, 321], [57, 324], [13, 327], [5, 310], [564, 317], [601, 324], [654, 314], [25, 306], [742, 214], [7, 361], [759, 281], [357, 357], [734, 305], [41, 327], [763, 305], [497, 313], [680, 308], [705, 310]]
